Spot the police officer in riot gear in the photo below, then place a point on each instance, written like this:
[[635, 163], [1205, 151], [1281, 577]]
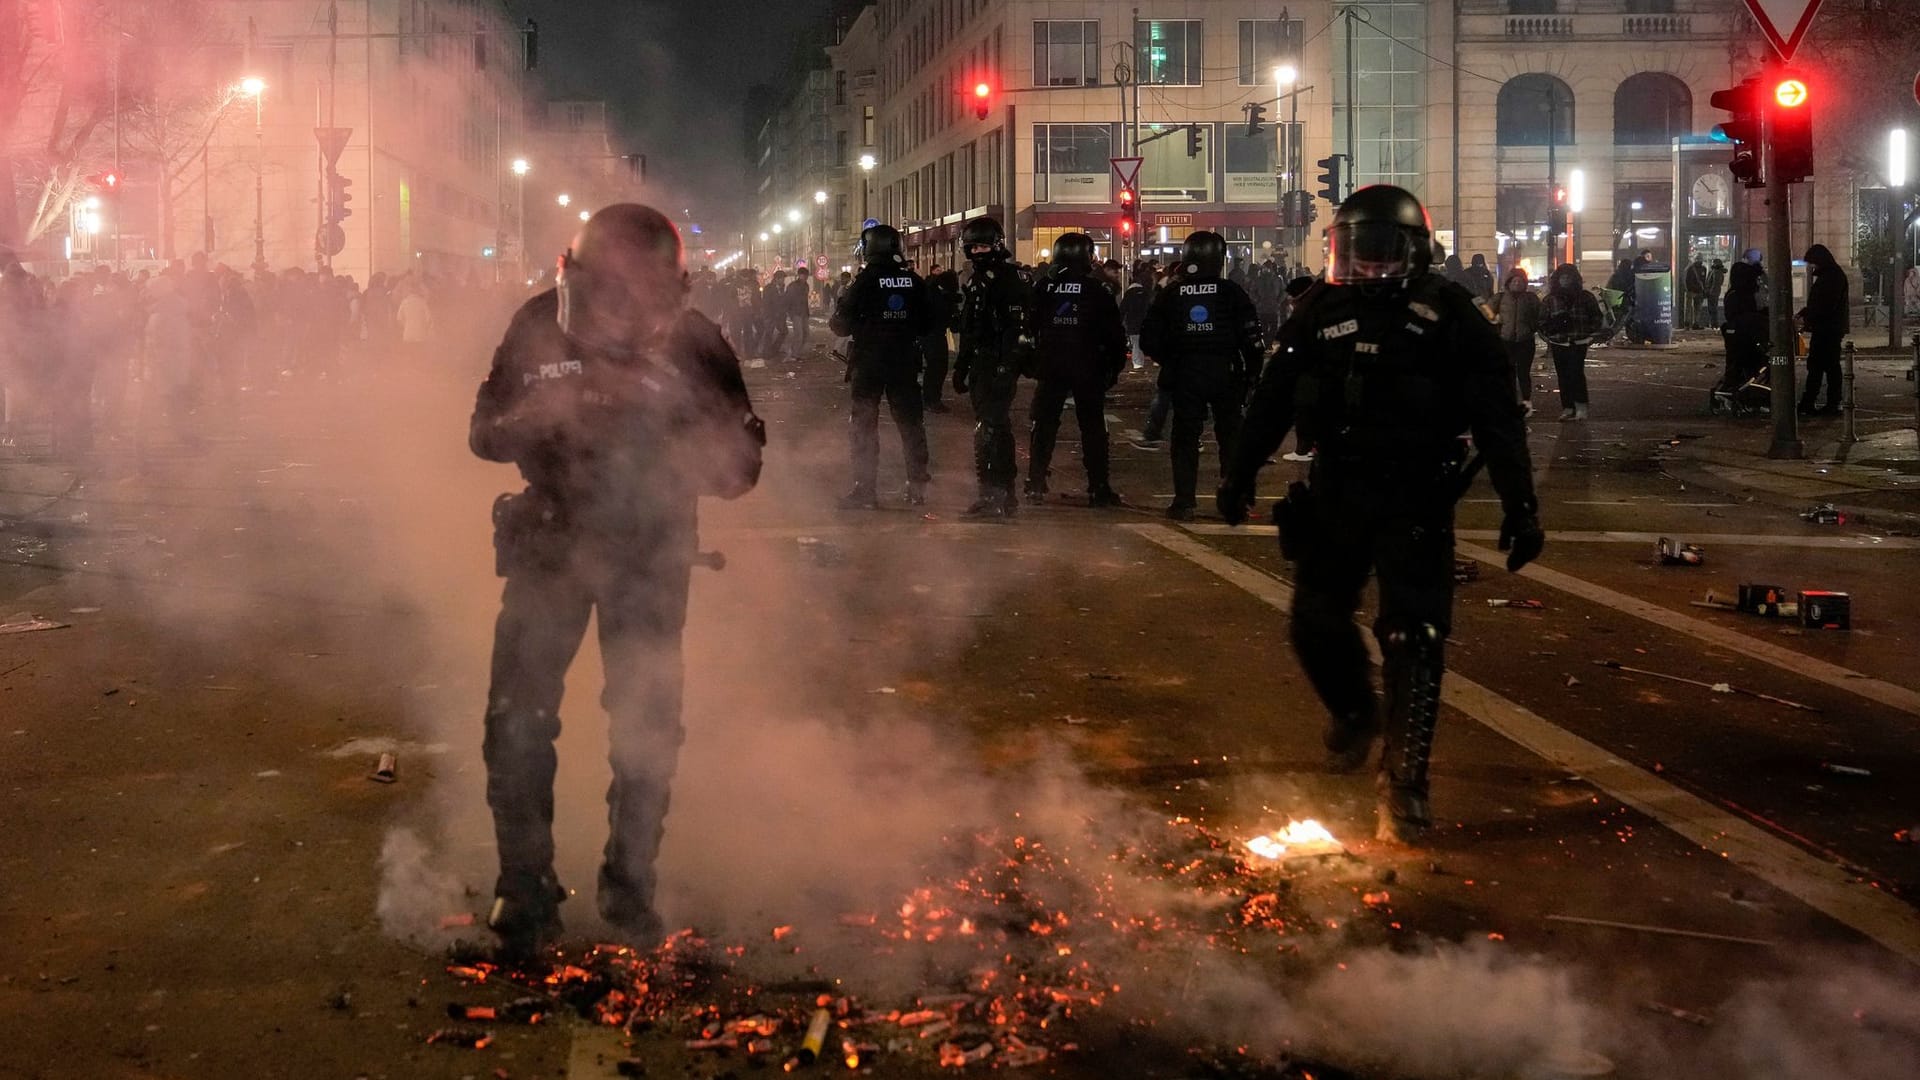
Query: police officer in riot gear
[[620, 408], [1382, 369], [1082, 349], [887, 310], [995, 345], [1205, 334]]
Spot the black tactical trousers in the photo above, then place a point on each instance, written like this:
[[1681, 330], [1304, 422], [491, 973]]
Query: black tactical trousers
[[543, 617], [1823, 363], [1089, 394], [1404, 535], [1197, 388], [933, 383], [992, 388], [898, 380]]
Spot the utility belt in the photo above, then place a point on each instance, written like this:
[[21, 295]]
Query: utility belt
[[530, 534], [1435, 485]]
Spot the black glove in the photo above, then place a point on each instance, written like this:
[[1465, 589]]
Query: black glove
[[960, 381], [1233, 501], [1522, 538]]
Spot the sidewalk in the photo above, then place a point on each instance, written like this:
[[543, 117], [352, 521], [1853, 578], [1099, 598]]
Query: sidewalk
[[1875, 479]]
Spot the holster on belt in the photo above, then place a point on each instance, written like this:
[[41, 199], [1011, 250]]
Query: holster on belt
[[1293, 520], [529, 534]]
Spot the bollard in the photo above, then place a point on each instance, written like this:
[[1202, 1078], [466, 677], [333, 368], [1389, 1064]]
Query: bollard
[[1848, 433]]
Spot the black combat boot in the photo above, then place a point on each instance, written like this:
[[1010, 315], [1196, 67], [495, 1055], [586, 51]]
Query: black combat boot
[[525, 915], [1104, 496], [1413, 663], [1036, 491], [1349, 739]]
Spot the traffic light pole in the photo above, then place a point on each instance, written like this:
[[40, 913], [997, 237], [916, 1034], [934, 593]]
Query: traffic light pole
[[1786, 421]]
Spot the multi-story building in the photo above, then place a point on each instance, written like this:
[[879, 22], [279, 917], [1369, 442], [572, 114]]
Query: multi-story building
[[1487, 109], [426, 101]]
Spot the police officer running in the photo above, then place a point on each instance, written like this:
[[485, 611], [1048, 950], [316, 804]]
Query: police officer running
[[1204, 333], [1382, 369], [887, 310], [620, 407], [995, 344], [1083, 348]]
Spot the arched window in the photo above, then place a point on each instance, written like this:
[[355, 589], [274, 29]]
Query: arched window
[[1651, 108], [1535, 110]]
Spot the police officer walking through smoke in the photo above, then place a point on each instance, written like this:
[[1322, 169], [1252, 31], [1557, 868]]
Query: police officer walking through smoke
[[1204, 332], [995, 345], [620, 407], [1382, 369], [887, 310], [1082, 347]]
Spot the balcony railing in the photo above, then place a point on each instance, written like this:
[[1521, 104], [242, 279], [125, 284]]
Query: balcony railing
[[1657, 25], [1539, 26]]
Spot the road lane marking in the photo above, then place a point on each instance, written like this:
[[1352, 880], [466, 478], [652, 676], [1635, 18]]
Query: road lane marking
[[1812, 667], [1823, 885], [1844, 542]]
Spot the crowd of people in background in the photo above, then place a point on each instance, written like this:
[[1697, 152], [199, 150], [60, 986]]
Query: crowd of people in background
[[138, 355], [190, 335]]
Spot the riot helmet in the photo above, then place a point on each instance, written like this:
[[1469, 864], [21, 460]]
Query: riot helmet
[[1381, 233], [1074, 252], [982, 238], [881, 244], [623, 279], [1205, 255]]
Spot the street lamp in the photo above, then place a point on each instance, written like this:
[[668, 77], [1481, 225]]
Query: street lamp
[[585, 214], [564, 199], [820, 214], [256, 88], [867, 164], [1896, 184], [520, 171], [1286, 76]]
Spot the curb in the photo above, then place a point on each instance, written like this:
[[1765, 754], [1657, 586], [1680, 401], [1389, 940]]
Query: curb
[[1691, 471]]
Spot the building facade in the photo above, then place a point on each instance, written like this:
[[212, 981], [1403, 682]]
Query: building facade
[[1489, 110]]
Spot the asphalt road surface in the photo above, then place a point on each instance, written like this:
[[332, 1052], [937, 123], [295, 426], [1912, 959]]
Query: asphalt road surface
[[1057, 732]]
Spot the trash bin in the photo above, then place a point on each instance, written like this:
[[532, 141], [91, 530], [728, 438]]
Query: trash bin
[[1653, 303]]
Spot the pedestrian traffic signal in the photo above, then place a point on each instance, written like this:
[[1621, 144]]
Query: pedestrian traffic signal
[[1256, 116], [1790, 126], [982, 100], [1193, 141], [337, 198], [1742, 128], [1330, 169]]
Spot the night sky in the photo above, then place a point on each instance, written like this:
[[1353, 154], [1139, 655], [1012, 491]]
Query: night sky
[[676, 73]]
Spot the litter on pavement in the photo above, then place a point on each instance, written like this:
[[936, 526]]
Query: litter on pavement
[[28, 624], [1672, 552]]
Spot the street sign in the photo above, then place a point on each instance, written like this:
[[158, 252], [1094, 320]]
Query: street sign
[[331, 239], [332, 142], [1784, 22], [1127, 169]]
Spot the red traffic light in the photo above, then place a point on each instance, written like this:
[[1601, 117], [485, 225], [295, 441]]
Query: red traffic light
[[1126, 196], [982, 100], [1790, 93], [982, 90]]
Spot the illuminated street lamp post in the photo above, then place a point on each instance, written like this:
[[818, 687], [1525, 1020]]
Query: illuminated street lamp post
[[256, 88], [1284, 77], [867, 163], [520, 171], [564, 199], [820, 212], [1897, 187]]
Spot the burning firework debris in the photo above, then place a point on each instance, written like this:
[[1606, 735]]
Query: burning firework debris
[[469, 1038], [1038, 948]]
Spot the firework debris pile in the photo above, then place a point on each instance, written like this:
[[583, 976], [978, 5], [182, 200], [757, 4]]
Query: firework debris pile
[[1033, 944]]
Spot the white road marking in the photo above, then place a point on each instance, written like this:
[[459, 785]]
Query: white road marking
[[596, 1051], [1845, 541], [1889, 694], [1822, 885]]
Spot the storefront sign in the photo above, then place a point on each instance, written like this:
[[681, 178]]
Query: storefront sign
[[1167, 220], [1258, 187], [1078, 188]]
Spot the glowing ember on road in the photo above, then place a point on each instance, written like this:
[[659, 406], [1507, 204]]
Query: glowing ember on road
[[1307, 837]]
